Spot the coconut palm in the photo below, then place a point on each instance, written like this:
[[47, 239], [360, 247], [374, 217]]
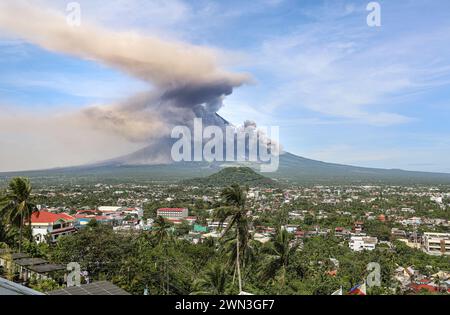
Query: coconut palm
[[161, 230], [213, 281], [235, 197], [16, 207], [277, 255]]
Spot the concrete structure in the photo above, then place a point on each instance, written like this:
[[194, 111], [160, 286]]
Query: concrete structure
[[436, 243], [360, 243], [173, 213], [110, 209], [51, 225]]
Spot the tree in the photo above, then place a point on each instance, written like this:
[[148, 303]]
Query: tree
[[16, 205], [45, 285], [236, 197], [278, 253], [161, 230], [92, 224], [7, 234], [213, 281]]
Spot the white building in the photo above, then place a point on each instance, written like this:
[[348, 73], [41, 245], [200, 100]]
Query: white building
[[290, 228], [436, 243], [46, 224], [360, 243], [110, 209], [173, 213]]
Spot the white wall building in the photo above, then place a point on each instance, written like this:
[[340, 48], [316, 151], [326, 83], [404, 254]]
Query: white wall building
[[46, 224], [110, 209], [436, 243], [360, 243], [173, 213]]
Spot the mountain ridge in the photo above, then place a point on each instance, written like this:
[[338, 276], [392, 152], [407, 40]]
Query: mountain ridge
[[292, 168]]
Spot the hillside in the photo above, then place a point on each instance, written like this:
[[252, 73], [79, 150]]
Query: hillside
[[243, 176], [294, 169]]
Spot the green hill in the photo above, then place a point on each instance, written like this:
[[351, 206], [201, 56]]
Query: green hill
[[243, 176]]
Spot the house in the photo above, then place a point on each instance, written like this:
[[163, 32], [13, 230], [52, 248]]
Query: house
[[398, 233], [358, 227], [83, 219], [261, 238], [28, 267], [51, 225], [341, 232], [290, 228], [412, 221], [360, 243], [200, 228], [191, 220], [405, 275], [173, 213], [422, 287], [436, 243]]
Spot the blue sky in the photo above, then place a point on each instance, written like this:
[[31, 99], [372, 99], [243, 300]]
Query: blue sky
[[339, 90]]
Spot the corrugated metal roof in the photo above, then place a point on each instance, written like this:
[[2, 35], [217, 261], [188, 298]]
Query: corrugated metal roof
[[96, 288], [10, 288]]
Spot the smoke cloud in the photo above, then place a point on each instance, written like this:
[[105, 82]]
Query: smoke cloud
[[185, 81]]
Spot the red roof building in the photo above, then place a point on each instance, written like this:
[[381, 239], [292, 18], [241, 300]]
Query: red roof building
[[46, 225]]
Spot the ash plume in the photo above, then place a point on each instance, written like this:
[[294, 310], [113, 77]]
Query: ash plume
[[185, 81]]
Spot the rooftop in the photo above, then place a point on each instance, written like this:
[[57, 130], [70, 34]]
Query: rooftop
[[48, 217], [96, 288]]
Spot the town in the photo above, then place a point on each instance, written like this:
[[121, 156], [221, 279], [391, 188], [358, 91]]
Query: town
[[168, 238]]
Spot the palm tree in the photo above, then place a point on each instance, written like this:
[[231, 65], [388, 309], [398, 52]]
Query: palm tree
[[278, 253], [7, 235], [16, 206], [160, 230], [213, 281], [235, 196]]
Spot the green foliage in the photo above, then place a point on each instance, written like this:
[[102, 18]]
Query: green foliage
[[44, 286], [232, 175], [16, 207]]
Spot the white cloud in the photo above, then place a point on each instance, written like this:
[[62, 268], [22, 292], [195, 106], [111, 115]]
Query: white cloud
[[44, 139], [339, 69]]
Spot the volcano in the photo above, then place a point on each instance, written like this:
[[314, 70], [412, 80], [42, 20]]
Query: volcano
[[152, 163]]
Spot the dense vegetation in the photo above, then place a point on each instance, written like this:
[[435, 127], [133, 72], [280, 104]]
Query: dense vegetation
[[231, 175], [163, 262]]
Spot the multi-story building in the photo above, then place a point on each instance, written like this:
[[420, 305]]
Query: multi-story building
[[46, 224], [173, 213], [436, 243], [110, 209], [360, 243]]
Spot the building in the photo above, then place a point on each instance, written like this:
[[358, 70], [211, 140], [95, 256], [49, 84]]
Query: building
[[173, 213], [412, 221], [436, 243], [358, 227], [51, 225], [360, 243], [11, 288], [410, 244], [27, 267], [398, 233], [290, 228], [110, 209]]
